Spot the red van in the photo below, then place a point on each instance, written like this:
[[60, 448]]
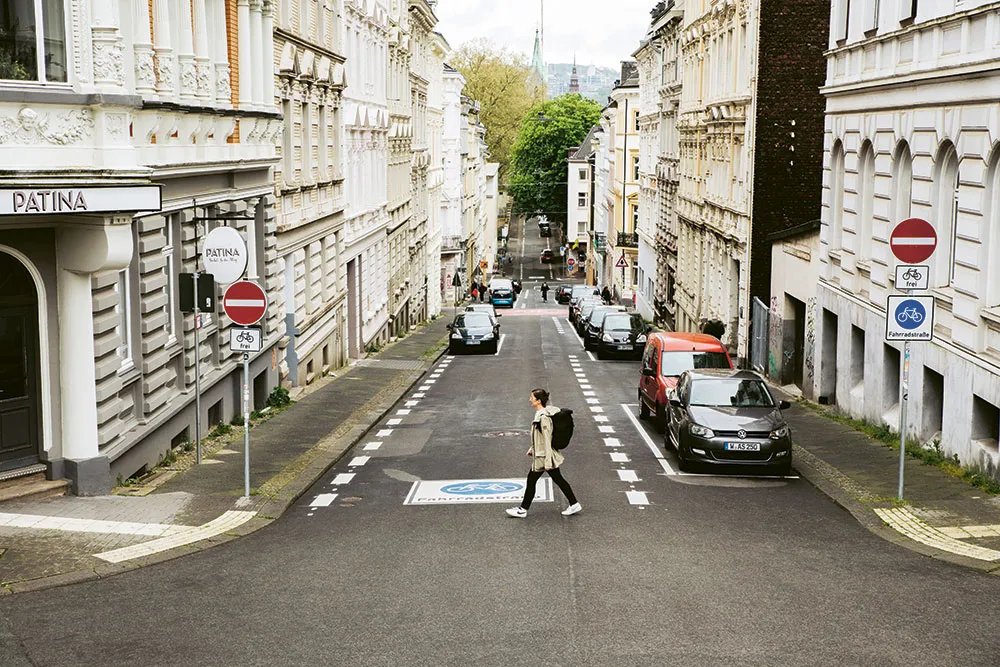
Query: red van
[[667, 355]]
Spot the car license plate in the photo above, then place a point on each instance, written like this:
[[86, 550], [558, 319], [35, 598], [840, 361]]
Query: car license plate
[[743, 446], [624, 347], [472, 342]]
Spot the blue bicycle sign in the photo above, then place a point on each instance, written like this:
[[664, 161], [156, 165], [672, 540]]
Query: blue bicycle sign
[[482, 488], [910, 314]]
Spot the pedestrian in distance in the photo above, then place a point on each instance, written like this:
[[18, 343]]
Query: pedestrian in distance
[[475, 291], [482, 292], [544, 459], [606, 295], [545, 291]]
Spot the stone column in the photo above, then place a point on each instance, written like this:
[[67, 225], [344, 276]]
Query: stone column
[[188, 71], [245, 58], [220, 43], [163, 52], [109, 67], [257, 53], [145, 75], [267, 28], [202, 55]]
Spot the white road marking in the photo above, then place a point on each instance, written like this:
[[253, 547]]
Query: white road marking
[[612, 442], [596, 408], [372, 446], [500, 344], [435, 376], [649, 441], [226, 522], [419, 395], [384, 433], [578, 338], [584, 386], [359, 461], [572, 356], [601, 419], [323, 500], [590, 393], [429, 382], [606, 429], [628, 476], [394, 422], [591, 355], [637, 498], [619, 457], [592, 401], [411, 404], [70, 525], [403, 412], [343, 478]]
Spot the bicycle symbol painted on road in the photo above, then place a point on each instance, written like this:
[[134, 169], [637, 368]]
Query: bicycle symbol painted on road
[[481, 488], [910, 314]]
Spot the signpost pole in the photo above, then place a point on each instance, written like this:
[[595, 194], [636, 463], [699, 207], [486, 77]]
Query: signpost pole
[[197, 365], [903, 400], [246, 424]]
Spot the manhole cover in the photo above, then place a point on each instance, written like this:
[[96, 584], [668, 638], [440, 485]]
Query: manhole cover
[[506, 434]]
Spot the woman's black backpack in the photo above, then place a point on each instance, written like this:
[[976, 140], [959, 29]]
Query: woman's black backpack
[[562, 428]]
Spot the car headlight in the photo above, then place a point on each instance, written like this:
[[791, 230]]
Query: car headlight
[[456, 336], [779, 432], [701, 431], [641, 338], [488, 336], [607, 338]]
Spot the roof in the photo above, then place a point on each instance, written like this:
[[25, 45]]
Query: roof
[[586, 148], [791, 232], [677, 341]]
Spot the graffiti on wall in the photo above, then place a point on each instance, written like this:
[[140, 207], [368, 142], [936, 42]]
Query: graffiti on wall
[[774, 338], [810, 345]]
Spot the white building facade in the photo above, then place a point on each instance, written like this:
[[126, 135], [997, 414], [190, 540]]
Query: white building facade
[[929, 150]]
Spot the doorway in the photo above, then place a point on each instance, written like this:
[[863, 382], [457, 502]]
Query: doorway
[[19, 382]]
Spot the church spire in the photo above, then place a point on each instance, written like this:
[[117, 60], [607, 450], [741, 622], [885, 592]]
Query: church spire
[[574, 80], [537, 62]]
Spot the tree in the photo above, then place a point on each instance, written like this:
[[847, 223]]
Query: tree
[[538, 159], [500, 80]]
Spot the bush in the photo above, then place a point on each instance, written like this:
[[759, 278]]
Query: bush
[[220, 430], [237, 419], [279, 398]]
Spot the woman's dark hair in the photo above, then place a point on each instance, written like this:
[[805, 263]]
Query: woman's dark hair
[[541, 396]]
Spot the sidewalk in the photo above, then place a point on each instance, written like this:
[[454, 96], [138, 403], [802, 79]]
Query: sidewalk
[[942, 517], [68, 539]]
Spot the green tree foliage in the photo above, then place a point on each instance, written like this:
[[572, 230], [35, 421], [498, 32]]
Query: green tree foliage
[[538, 159], [501, 81]]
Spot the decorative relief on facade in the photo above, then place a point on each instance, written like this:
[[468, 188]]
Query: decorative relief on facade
[[108, 61], [204, 75], [164, 64], [30, 127], [116, 124], [145, 74], [223, 91], [189, 77]]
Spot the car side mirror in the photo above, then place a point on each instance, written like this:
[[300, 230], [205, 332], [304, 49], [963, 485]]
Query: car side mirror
[[675, 402], [784, 405], [499, 315], [649, 372]]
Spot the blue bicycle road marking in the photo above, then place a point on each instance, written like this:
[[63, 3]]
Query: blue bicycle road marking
[[910, 314], [481, 488]]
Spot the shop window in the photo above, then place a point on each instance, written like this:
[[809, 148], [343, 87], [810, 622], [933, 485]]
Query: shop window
[[29, 51]]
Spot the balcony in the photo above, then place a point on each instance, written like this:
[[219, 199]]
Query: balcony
[[628, 240]]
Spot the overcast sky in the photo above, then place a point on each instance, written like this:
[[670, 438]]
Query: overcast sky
[[600, 32]]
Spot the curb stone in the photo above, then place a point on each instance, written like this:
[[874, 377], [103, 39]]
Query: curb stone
[[268, 513]]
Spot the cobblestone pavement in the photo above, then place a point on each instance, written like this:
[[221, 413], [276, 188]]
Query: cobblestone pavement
[[68, 538]]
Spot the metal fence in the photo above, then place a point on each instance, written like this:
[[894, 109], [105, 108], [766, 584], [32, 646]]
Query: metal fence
[[759, 326]]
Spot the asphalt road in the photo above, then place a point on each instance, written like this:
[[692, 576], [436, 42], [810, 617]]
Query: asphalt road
[[658, 569]]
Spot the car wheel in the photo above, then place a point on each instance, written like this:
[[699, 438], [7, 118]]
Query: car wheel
[[684, 464], [661, 419], [643, 409], [600, 354]]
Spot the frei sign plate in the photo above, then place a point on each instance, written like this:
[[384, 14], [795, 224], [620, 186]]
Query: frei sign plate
[[913, 241], [909, 318], [470, 491], [245, 302], [61, 201], [245, 339], [912, 276], [224, 255]]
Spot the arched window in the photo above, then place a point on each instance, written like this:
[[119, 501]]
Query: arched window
[[991, 233], [945, 214], [865, 208], [836, 220], [902, 185]]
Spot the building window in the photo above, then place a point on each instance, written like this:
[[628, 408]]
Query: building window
[[124, 310], [871, 15], [635, 168], [288, 143], [636, 121], [835, 239], [170, 251], [583, 174], [30, 53], [635, 218], [324, 148], [907, 10], [841, 19], [991, 220], [946, 215], [307, 143], [902, 184], [866, 203], [581, 200]]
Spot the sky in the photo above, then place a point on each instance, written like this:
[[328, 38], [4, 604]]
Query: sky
[[599, 32]]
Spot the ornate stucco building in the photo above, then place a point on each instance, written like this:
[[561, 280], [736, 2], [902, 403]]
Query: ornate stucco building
[[623, 196], [127, 133]]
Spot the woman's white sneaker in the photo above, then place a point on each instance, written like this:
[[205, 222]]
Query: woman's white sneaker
[[517, 512], [572, 509]]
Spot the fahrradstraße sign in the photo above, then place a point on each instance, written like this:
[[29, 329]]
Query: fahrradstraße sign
[[909, 318]]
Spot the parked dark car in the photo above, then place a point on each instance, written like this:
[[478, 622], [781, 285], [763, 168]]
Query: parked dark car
[[622, 335], [728, 417], [485, 308], [592, 327], [574, 311], [562, 294], [547, 256], [544, 230], [472, 330]]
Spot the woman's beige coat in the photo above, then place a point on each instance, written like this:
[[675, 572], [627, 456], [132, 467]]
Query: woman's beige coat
[[543, 457]]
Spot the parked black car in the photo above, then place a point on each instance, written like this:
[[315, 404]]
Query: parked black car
[[592, 327], [578, 292], [727, 417], [622, 335], [472, 330], [562, 294]]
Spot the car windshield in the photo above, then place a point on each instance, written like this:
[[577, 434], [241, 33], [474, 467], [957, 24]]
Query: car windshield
[[730, 393], [581, 290], [622, 322], [675, 363], [597, 319], [472, 320], [587, 309]]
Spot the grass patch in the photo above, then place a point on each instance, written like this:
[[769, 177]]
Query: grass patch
[[933, 455]]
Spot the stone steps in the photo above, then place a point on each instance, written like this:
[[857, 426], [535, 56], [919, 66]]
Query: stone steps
[[32, 487]]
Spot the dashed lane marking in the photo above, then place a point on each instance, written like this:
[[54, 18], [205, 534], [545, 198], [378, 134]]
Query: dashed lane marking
[[372, 446], [384, 433], [601, 419], [323, 500], [628, 476], [612, 442], [343, 478], [619, 457], [403, 412], [637, 498], [649, 441], [606, 429], [419, 395], [358, 461], [590, 393], [394, 422], [411, 404], [596, 408]]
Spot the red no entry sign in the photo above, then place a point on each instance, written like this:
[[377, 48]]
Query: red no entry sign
[[245, 302], [913, 241]]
